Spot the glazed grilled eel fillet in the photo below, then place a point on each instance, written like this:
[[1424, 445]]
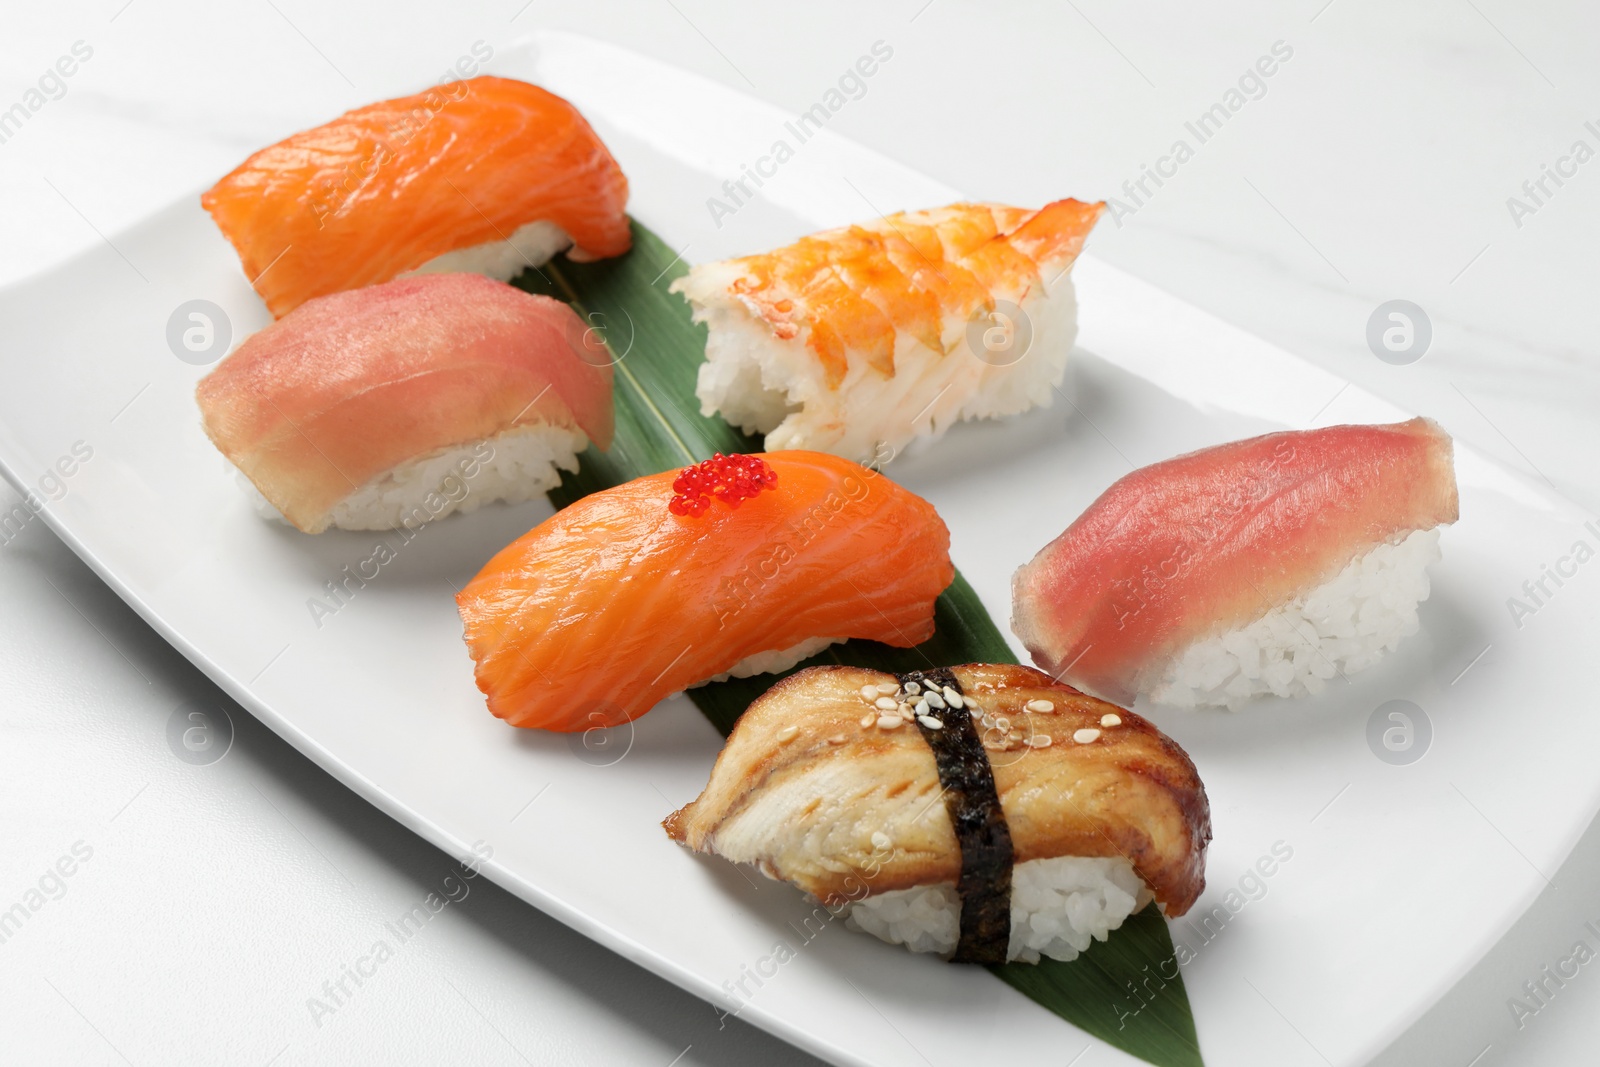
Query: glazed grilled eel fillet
[[818, 787]]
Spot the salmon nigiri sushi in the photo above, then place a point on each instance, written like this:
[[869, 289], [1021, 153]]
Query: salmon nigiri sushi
[[1265, 566], [398, 404], [737, 566], [859, 340], [981, 812], [489, 175]]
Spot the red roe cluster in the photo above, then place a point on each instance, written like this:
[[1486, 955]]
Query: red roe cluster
[[729, 479]]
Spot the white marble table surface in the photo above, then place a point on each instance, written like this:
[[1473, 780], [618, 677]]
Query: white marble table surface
[[1376, 163]]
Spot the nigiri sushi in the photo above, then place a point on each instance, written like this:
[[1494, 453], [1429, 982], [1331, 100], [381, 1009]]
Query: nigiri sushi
[[736, 566], [1265, 566], [982, 812], [401, 403], [858, 340], [490, 175]]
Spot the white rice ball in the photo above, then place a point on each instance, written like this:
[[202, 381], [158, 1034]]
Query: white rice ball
[[1343, 626], [1057, 907], [773, 661], [531, 245], [512, 467]]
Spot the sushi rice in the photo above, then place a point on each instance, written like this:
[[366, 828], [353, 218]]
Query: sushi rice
[[532, 245], [512, 467], [774, 661], [1342, 626], [768, 385], [1057, 907]]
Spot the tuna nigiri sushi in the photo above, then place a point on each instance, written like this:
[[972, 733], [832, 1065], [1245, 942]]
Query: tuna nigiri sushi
[[858, 340], [398, 404], [983, 812], [736, 566], [489, 175], [1265, 566]]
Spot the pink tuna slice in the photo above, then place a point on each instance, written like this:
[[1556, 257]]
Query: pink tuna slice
[[1211, 541], [352, 385]]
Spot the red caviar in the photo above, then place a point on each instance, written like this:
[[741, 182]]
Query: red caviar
[[729, 479]]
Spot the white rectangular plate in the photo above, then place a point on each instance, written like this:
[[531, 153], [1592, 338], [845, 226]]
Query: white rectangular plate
[[1400, 876]]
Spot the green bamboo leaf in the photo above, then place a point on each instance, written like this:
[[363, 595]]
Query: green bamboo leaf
[[1127, 991], [1118, 990]]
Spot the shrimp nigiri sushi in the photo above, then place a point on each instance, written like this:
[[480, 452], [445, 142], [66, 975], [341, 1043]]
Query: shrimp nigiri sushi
[[1265, 566], [984, 812], [858, 340], [398, 404], [736, 566], [489, 175]]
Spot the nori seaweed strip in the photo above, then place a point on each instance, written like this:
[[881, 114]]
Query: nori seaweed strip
[[980, 825]]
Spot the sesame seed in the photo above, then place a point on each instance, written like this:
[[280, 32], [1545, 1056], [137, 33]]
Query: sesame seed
[[886, 703], [1041, 706], [1002, 723], [930, 722], [953, 698], [788, 732], [869, 692], [890, 722], [934, 699], [1086, 735], [1014, 735], [1041, 740], [912, 688], [1111, 720], [836, 739], [906, 714], [921, 707], [880, 839], [867, 720], [888, 689]]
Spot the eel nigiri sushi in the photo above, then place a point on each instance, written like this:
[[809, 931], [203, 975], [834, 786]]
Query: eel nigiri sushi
[[736, 566], [1264, 566], [982, 812], [858, 340], [400, 403], [489, 175]]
